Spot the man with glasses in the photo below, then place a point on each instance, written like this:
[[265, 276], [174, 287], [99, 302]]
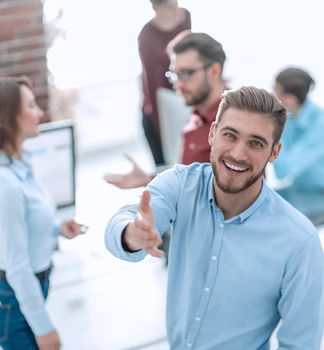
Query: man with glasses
[[196, 73]]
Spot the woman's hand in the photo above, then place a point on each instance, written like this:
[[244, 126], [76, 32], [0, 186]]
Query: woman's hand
[[49, 341], [71, 229]]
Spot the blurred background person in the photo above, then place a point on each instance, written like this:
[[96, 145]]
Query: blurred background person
[[300, 165], [169, 20], [28, 227], [196, 68]]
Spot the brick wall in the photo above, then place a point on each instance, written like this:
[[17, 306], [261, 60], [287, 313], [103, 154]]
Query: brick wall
[[23, 45]]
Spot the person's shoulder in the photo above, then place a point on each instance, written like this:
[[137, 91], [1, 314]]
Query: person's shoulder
[[320, 113], [147, 26], [194, 168], [287, 218], [313, 110], [184, 171], [9, 182], [191, 169], [187, 13], [146, 31], [194, 175]]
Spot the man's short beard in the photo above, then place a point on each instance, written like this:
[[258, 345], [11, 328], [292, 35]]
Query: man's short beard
[[201, 96], [234, 190]]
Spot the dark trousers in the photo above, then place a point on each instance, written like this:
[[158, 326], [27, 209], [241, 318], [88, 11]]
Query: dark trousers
[[153, 140], [15, 332]]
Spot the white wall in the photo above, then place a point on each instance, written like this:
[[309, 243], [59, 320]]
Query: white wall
[[260, 37], [99, 46]]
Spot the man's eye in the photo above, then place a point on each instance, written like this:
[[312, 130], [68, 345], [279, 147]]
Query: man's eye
[[256, 144], [229, 135], [184, 74]]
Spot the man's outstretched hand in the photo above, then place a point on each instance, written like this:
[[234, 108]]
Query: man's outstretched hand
[[140, 233], [136, 178]]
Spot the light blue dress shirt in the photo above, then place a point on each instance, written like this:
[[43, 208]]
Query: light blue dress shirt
[[231, 281], [301, 159], [28, 234]]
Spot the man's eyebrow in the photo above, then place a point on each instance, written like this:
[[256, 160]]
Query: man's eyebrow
[[257, 137], [260, 138], [229, 128]]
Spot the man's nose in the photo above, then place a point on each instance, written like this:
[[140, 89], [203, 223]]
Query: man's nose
[[40, 113], [177, 85], [239, 151]]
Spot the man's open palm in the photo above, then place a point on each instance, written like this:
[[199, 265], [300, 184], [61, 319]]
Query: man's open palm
[[140, 234]]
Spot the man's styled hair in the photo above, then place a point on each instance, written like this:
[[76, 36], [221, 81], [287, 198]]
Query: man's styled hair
[[252, 99], [210, 50], [295, 81], [157, 2]]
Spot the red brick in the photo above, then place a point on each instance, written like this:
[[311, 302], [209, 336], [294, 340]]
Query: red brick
[[23, 44], [26, 47], [22, 10], [27, 69]]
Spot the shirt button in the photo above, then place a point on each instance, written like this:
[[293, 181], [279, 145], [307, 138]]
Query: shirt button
[[198, 319], [206, 289], [221, 225], [214, 257], [189, 345], [192, 146]]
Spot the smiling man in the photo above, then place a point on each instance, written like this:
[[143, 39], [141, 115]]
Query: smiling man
[[241, 258]]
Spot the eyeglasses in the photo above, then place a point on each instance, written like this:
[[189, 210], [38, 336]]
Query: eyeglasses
[[184, 74]]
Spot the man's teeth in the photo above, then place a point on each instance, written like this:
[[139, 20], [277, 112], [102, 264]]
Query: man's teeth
[[234, 167]]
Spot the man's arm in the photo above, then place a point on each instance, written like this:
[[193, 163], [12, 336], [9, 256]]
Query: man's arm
[[135, 178], [301, 296], [133, 240], [132, 232], [140, 233]]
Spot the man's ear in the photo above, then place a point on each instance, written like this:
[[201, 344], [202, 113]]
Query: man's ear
[[211, 134], [216, 69], [275, 152]]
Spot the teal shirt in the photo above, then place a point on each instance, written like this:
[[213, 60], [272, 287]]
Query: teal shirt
[[28, 234], [302, 160], [231, 281]]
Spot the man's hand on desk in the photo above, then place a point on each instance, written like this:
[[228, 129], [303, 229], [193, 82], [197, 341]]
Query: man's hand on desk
[[136, 178]]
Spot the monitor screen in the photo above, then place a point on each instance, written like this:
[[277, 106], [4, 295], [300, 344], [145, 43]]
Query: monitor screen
[[53, 160]]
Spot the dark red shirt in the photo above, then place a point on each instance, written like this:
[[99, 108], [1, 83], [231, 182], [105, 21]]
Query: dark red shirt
[[152, 43], [195, 146]]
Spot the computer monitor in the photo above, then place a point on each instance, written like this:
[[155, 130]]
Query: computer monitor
[[53, 160]]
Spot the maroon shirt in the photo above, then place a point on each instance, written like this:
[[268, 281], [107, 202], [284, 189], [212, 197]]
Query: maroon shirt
[[152, 43], [195, 147]]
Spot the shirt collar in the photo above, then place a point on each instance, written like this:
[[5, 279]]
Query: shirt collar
[[247, 212], [4, 159], [304, 113], [21, 167], [210, 115]]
